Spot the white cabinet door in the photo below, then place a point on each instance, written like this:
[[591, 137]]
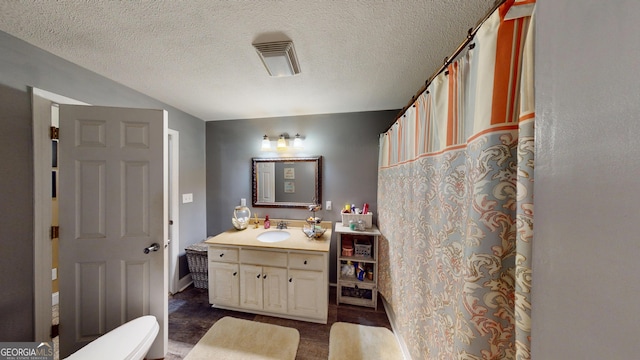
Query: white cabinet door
[[223, 284], [251, 287], [263, 288], [307, 293], [275, 289]]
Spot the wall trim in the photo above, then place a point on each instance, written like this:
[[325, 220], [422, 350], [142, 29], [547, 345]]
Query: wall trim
[[392, 321], [41, 122], [173, 137], [184, 282]]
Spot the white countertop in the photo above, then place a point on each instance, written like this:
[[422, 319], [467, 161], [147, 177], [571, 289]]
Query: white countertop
[[297, 241]]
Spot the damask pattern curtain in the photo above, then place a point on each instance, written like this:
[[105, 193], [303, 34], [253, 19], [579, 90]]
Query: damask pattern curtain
[[455, 197]]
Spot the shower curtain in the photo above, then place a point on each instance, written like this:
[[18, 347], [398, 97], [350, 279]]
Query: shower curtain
[[455, 197]]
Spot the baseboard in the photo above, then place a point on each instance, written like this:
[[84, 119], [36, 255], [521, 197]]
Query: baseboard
[[184, 282], [55, 298], [392, 321]]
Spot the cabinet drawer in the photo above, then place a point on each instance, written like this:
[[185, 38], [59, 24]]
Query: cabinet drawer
[[307, 261], [223, 254], [259, 257]]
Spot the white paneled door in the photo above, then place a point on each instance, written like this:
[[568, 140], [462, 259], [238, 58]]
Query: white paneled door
[[113, 205], [266, 182]]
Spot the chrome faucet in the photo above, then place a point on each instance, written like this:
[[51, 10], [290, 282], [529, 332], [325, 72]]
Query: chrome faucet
[[282, 224]]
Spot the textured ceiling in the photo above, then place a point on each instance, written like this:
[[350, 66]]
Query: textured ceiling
[[197, 55]]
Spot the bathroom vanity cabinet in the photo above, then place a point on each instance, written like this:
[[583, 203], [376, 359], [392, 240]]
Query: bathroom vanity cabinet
[[290, 281], [351, 289]]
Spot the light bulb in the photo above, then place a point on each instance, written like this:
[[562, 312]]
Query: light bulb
[[266, 144], [297, 142], [282, 143]]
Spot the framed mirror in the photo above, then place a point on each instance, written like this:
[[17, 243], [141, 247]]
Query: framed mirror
[[287, 182]]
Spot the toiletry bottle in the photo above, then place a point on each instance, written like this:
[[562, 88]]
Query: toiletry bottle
[[267, 223]]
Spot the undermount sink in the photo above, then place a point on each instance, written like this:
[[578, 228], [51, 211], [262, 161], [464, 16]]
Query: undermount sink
[[273, 236]]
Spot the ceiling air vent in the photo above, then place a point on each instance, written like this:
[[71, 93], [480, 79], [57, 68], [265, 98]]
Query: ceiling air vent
[[279, 58]]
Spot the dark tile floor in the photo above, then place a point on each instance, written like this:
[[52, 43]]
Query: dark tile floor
[[190, 316]]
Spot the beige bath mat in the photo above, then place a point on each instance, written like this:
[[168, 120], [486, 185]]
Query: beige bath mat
[[231, 339], [355, 342]]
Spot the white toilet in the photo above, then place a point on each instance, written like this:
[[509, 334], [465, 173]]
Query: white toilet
[[129, 341]]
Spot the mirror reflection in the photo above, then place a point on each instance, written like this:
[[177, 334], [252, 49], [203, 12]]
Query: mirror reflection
[[287, 182]]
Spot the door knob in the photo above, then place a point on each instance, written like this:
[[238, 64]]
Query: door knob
[[153, 247]]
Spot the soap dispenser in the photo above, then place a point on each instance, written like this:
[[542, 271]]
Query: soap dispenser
[[267, 223]]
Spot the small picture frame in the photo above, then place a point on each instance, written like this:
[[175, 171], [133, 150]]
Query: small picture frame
[[289, 187], [289, 173]]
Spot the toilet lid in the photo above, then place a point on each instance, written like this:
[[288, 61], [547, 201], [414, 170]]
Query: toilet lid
[[128, 341]]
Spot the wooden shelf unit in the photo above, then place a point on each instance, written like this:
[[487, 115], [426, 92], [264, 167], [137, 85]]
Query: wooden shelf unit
[[350, 290]]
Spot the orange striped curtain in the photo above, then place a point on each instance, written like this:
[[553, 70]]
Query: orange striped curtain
[[455, 197]]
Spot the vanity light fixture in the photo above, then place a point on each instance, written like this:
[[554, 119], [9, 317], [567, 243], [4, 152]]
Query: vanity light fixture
[[282, 143], [266, 144]]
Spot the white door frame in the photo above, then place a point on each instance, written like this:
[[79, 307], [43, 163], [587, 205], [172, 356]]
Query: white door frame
[[42, 215], [174, 209], [41, 123]]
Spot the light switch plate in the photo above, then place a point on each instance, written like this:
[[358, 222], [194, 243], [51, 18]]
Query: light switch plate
[[243, 202], [187, 198], [328, 207]]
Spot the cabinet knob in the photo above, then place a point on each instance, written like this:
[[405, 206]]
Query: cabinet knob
[[221, 255], [235, 273], [290, 279], [305, 262], [258, 277], [264, 276]]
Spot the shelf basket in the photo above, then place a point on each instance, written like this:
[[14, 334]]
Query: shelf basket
[[362, 248], [367, 218]]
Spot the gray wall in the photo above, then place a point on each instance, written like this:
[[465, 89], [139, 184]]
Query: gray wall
[[21, 66], [16, 217], [348, 144], [586, 244]]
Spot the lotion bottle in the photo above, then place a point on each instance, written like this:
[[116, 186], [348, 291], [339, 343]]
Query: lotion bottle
[[267, 223]]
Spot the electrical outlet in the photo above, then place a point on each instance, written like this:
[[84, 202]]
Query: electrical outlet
[[54, 274], [187, 198], [328, 207], [243, 202]]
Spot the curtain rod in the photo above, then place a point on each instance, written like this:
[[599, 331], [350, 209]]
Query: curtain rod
[[470, 35]]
